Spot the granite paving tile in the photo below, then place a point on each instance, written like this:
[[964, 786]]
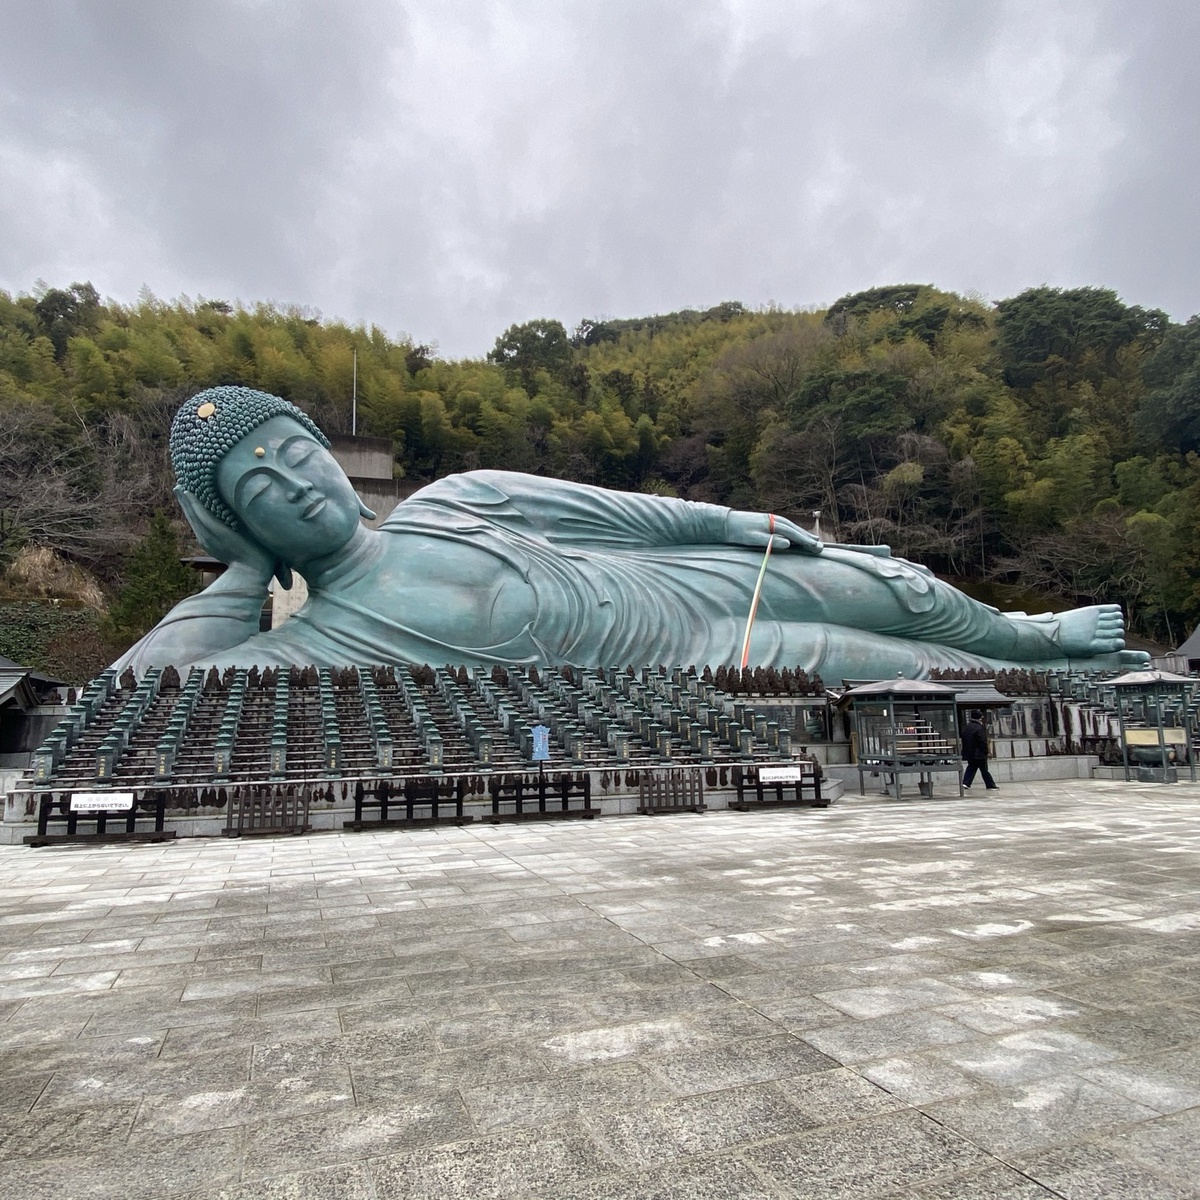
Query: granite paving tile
[[1007, 1013], [396, 964], [131, 1017], [712, 1179], [1005, 977], [224, 984], [840, 1094], [646, 1004], [867, 1158], [588, 1092], [1168, 1081], [1155, 1027], [289, 1058], [1182, 967], [382, 1082], [747, 1061], [662, 974], [595, 985], [1122, 993], [304, 957], [344, 1134], [528, 969], [401, 1010], [608, 1043], [66, 1130], [992, 1183], [885, 1000], [165, 1166], [278, 936], [98, 1004], [782, 985], [721, 968], [36, 970], [861, 1041], [902, 968], [99, 949], [131, 1079], [859, 956], [1091, 937], [536, 1020], [139, 960], [1094, 1171], [1044, 1112], [199, 1039], [258, 1100], [920, 1078], [514, 1163], [799, 1012], [151, 969], [728, 1021], [1020, 1057], [57, 985], [351, 1181], [19, 1091], [335, 995], [651, 1135]]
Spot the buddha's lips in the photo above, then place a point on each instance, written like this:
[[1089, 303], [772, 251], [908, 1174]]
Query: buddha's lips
[[313, 508]]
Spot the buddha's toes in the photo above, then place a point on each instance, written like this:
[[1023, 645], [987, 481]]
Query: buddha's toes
[[1097, 629]]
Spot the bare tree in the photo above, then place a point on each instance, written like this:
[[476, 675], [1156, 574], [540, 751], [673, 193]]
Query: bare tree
[[1086, 561], [83, 489], [47, 493]]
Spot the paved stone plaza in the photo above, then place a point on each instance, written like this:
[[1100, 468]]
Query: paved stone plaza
[[938, 999]]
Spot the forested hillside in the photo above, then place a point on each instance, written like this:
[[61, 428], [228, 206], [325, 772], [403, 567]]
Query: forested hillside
[[1048, 441]]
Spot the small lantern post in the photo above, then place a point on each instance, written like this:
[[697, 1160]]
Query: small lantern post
[[905, 727], [1154, 709]]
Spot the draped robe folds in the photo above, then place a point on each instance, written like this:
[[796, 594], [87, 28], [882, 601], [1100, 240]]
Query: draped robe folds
[[620, 578]]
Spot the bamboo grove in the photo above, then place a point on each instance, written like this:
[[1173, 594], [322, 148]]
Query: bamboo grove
[[1046, 443]]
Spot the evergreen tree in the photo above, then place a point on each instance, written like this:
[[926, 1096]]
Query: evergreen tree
[[155, 581]]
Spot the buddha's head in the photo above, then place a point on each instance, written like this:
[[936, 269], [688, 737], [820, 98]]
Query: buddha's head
[[261, 466]]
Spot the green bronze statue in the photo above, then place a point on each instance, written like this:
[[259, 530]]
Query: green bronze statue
[[494, 567]]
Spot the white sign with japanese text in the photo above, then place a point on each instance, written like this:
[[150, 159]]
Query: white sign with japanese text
[[82, 802], [780, 774]]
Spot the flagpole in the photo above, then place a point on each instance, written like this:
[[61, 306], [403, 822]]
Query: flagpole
[[354, 399]]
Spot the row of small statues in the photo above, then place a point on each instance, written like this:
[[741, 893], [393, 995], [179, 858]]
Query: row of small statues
[[767, 681], [301, 677], [760, 681], [1019, 682]]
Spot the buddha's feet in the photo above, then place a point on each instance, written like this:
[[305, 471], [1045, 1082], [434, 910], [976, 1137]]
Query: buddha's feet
[[1086, 632]]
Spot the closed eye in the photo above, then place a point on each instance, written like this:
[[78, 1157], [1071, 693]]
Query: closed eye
[[254, 486], [298, 451]]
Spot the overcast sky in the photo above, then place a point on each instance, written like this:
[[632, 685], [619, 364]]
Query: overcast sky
[[445, 168]]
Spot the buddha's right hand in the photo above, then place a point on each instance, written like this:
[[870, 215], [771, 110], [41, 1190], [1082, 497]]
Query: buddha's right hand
[[237, 551], [757, 529]]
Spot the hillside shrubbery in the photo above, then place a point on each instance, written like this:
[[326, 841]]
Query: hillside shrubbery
[[1050, 439]]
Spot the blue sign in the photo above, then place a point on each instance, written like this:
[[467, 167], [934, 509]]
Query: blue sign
[[541, 743]]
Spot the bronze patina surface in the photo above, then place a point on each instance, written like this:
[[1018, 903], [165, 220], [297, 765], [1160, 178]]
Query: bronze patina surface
[[493, 567]]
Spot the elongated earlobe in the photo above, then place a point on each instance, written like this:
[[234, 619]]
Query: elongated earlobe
[[365, 512], [284, 574]]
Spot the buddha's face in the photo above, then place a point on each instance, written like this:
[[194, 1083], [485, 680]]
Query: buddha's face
[[289, 492]]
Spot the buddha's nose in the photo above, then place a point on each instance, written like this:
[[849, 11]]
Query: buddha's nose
[[299, 488]]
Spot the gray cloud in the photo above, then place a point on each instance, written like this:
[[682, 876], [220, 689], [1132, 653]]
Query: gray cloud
[[449, 168]]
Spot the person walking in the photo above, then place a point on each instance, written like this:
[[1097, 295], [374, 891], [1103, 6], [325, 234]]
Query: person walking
[[975, 751]]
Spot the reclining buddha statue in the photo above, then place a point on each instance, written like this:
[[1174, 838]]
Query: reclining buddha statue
[[494, 567]]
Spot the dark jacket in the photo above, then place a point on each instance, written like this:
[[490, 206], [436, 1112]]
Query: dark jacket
[[974, 742]]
